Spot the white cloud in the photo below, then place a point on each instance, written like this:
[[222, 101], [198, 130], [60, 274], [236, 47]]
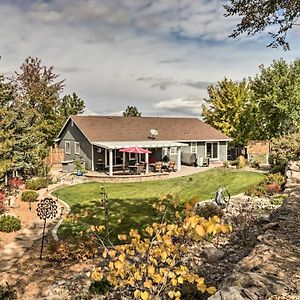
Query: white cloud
[[103, 47], [186, 105]]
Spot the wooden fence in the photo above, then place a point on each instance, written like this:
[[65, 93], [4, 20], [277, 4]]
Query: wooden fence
[[56, 156]]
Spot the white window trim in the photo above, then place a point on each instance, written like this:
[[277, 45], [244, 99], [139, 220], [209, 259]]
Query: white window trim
[[195, 146], [69, 146], [76, 144], [218, 150], [173, 150]]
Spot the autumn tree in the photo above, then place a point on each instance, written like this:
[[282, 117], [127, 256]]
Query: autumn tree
[[131, 111], [225, 106], [260, 15], [274, 106], [32, 112]]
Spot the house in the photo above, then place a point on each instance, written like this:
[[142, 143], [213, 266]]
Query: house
[[96, 140]]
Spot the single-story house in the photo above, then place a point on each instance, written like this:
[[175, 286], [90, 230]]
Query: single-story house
[[96, 140]]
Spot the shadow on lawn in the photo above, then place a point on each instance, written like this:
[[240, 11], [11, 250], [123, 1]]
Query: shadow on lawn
[[124, 214]]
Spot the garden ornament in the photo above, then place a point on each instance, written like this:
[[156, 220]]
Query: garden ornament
[[46, 209], [221, 199]]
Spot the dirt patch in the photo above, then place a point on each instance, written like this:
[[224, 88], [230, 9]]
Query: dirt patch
[[26, 216]]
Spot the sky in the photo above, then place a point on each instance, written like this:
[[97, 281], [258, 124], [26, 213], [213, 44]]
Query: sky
[[157, 55]]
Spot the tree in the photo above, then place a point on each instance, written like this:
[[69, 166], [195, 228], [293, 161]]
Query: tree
[[7, 126], [258, 15], [69, 105], [131, 111], [226, 104], [274, 107]]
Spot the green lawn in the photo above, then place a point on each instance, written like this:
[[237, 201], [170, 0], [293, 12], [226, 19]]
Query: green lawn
[[131, 203]]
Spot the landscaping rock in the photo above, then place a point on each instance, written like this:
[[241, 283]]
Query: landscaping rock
[[213, 254]]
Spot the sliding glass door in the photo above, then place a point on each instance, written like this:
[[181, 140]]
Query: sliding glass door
[[212, 150]]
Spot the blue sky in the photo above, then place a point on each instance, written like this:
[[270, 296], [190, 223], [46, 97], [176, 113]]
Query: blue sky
[[156, 55]]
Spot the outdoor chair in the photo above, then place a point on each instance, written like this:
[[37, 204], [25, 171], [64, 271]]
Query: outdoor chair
[[171, 166], [205, 162], [158, 167], [140, 168]]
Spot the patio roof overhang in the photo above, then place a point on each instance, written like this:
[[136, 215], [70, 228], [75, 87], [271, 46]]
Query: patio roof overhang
[[141, 144]]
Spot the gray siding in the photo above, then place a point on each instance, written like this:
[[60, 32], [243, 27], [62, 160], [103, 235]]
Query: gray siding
[[223, 151], [72, 134]]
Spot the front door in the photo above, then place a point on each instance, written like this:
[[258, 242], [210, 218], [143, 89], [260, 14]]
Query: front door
[[212, 150]]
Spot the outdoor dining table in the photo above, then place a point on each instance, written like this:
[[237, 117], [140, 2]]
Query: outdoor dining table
[[133, 169]]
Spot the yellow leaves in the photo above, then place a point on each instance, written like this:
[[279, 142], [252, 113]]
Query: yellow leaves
[[153, 265], [174, 281], [164, 256], [173, 294], [157, 278], [149, 230], [180, 280], [122, 237], [118, 264], [99, 228], [122, 257], [97, 274], [151, 270], [136, 293], [200, 230], [134, 233], [148, 284], [211, 290], [145, 295]]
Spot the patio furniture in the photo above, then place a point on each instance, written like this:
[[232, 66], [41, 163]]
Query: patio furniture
[[205, 162], [141, 168], [158, 167], [171, 166]]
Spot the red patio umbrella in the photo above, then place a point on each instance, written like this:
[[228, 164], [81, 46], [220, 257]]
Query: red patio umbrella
[[135, 150]]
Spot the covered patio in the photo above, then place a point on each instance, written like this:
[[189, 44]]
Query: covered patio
[[107, 155]]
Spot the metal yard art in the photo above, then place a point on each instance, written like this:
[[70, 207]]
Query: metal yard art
[[220, 198], [46, 209]]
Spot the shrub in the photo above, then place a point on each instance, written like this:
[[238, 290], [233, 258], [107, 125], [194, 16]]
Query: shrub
[[100, 287], [276, 177], [15, 182], [7, 293], [29, 196], [284, 149], [273, 188], [208, 210], [9, 223], [257, 190], [155, 267], [241, 162], [271, 184], [2, 206], [36, 184]]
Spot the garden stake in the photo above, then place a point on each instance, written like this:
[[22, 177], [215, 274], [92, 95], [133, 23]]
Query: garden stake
[[104, 202], [46, 209]]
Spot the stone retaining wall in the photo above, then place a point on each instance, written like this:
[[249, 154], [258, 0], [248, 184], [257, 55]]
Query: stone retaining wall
[[272, 269]]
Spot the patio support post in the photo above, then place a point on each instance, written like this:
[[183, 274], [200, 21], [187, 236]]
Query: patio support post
[[178, 159], [110, 162], [147, 162], [93, 162]]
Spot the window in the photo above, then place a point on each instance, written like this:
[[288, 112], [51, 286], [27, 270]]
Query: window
[[67, 148], [173, 150], [77, 148], [193, 147], [212, 150]]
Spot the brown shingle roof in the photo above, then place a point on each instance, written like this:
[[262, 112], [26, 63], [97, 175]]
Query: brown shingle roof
[[105, 128]]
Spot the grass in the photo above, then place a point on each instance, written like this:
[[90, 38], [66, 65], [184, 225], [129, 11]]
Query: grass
[[130, 204]]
